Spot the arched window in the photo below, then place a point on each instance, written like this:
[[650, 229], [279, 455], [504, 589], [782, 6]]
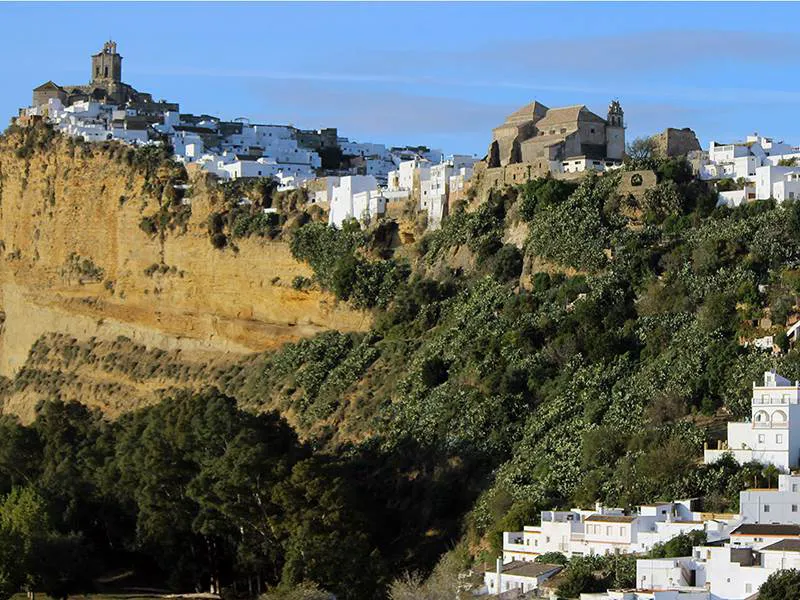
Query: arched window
[[761, 417], [779, 417]]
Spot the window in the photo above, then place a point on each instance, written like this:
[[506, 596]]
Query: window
[[766, 508], [779, 439], [760, 438], [748, 588], [592, 130], [608, 530], [794, 507], [621, 531], [794, 487]]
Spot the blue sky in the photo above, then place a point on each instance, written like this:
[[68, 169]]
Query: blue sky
[[441, 74]]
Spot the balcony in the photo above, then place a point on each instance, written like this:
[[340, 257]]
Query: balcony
[[768, 425], [792, 399]]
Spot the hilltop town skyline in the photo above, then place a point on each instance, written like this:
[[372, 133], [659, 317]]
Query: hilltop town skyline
[[435, 84]]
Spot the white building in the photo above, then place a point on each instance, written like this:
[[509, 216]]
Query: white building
[[773, 433], [522, 576], [431, 184], [579, 532], [780, 183], [342, 205], [731, 571], [759, 163], [780, 505], [579, 164]]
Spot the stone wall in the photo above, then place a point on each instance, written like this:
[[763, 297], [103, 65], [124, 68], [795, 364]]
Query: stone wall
[[636, 183], [676, 142]]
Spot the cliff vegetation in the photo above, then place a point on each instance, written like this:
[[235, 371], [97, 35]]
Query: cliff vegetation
[[553, 346]]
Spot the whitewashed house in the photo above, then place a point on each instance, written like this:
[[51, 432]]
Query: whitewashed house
[[604, 530], [773, 433], [342, 206], [521, 576], [780, 505], [780, 183]]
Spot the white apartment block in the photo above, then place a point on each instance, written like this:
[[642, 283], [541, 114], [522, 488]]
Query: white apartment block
[[724, 572], [348, 200], [523, 577], [431, 184], [756, 162], [772, 435], [780, 505], [604, 531]]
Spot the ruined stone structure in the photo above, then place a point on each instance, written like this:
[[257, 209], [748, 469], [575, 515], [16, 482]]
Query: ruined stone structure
[[636, 183], [105, 86], [676, 142], [536, 134]]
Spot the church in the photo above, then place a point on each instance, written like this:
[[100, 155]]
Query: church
[[538, 134], [105, 86]]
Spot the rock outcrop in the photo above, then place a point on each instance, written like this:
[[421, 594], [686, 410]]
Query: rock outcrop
[[74, 260]]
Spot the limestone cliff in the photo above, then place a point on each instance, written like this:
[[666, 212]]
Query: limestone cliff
[[74, 260]]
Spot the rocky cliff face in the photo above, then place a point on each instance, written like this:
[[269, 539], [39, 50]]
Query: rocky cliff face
[[74, 260]]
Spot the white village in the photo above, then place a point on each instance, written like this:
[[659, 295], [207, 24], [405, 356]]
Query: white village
[[734, 553], [739, 551]]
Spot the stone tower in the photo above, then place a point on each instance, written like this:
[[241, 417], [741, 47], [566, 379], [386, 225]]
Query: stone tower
[[615, 131], [107, 65], [615, 114]]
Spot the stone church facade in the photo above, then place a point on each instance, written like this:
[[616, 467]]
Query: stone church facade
[[536, 134], [537, 141], [105, 86]]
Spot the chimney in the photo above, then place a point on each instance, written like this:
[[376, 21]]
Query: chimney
[[598, 507], [499, 567]]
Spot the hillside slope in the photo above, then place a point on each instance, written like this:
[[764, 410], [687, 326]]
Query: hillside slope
[[74, 259]]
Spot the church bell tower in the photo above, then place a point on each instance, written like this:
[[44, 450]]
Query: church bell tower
[[615, 131], [107, 65]]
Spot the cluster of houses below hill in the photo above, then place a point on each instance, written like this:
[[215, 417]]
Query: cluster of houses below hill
[[740, 552]]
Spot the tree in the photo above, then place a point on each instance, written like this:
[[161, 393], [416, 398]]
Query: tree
[[579, 578], [33, 555], [552, 558], [781, 585], [680, 545], [661, 201], [508, 263], [771, 472], [641, 149]]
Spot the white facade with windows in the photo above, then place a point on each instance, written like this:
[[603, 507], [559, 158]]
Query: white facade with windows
[[780, 505], [724, 572], [773, 433], [579, 532], [342, 205], [767, 168], [524, 577]]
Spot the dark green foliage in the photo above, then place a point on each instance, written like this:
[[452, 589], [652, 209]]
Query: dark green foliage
[[508, 263], [543, 194], [481, 230], [680, 545], [576, 232], [552, 558], [339, 267], [195, 488], [781, 585], [259, 224]]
